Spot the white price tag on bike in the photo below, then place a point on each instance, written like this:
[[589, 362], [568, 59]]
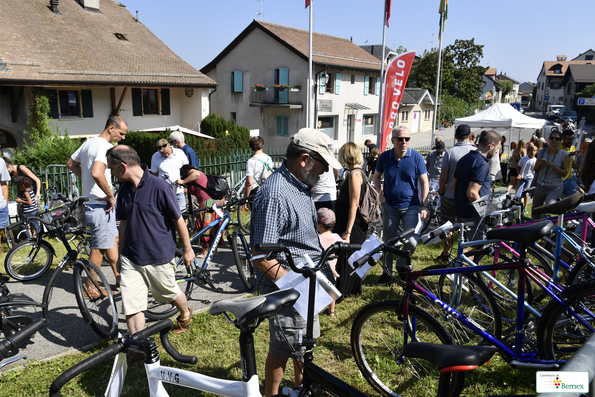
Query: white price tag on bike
[[368, 245]]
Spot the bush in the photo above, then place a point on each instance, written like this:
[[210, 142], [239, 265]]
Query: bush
[[46, 150], [453, 108]]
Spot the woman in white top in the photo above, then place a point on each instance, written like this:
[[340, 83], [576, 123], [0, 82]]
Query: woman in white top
[[258, 166]]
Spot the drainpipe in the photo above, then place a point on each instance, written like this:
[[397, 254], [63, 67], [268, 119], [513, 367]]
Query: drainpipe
[[211, 93]]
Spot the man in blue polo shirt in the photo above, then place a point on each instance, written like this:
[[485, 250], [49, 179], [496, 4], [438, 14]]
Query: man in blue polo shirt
[[403, 170], [149, 216], [472, 179]]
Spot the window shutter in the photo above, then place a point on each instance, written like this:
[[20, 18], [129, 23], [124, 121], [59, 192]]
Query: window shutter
[[377, 85], [285, 125], [337, 83], [53, 99], [282, 125], [238, 80], [283, 79], [366, 84], [87, 102], [165, 106], [137, 102]]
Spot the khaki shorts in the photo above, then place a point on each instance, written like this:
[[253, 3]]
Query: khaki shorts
[[136, 281]]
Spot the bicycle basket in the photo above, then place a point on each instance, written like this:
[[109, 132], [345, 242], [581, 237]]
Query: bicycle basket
[[76, 221]]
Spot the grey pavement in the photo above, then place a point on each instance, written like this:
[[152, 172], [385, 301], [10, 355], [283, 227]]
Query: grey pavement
[[67, 333]]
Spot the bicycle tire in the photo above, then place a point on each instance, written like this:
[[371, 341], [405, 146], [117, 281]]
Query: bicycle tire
[[9, 236], [581, 272], [476, 303], [243, 263], [162, 310], [559, 333], [28, 260], [244, 216], [377, 339], [99, 312]]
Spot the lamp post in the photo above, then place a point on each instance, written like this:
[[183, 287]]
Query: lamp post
[[322, 79]]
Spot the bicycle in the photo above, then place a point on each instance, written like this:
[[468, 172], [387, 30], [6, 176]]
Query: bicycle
[[91, 288], [243, 213], [567, 321], [200, 275], [246, 315]]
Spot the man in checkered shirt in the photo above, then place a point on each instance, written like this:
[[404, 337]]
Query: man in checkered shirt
[[283, 212]]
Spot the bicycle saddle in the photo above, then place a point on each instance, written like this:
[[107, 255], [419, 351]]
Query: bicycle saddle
[[560, 207], [526, 235], [449, 358], [258, 307]]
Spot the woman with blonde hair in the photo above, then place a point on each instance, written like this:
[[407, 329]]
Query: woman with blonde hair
[[350, 226], [518, 153]]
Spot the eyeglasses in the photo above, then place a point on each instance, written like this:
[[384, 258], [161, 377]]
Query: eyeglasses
[[401, 139], [162, 146], [322, 161], [114, 156], [554, 138]]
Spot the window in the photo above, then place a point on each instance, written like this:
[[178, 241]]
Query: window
[[558, 71], [233, 116], [427, 114], [369, 123], [282, 125], [555, 85], [237, 81], [404, 115], [121, 37], [352, 79], [372, 85], [70, 105], [327, 125], [150, 101], [588, 57], [330, 84]]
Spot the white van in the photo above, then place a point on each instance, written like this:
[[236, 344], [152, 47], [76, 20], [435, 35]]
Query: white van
[[554, 110]]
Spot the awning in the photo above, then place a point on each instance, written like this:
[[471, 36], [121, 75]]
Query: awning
[[181, 129], [357, 106]]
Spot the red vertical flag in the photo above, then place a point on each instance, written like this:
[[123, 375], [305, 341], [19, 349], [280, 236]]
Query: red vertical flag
[[395, 81], [307, 3], [386, 10]]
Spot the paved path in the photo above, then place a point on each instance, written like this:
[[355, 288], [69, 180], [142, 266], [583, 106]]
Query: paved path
[[67, 333]]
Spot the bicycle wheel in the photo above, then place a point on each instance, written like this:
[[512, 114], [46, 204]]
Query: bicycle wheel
[[95, 299], [559, 333], [243, 263], [28, 260], [377, 338], [473, 300], [581, 272], [162, 310], [244, 219]]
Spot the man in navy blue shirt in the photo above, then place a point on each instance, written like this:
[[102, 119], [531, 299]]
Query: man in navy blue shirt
[[149, 216], [472, 178], [176, 139], [402, 201]]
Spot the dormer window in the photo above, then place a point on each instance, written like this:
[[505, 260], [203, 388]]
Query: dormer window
[[121, 36]]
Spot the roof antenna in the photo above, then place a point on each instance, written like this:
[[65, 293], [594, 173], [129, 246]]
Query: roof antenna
[[260, 13]]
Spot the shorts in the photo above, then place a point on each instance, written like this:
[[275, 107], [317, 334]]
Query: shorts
[[447, 210], [285, 331], [526, 184], [512, 172], [102, 225], [4, 217], [136, 281]]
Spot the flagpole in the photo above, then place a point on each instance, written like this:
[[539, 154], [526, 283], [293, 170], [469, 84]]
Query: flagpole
[[381, 97], [310, 82], [438, 75]]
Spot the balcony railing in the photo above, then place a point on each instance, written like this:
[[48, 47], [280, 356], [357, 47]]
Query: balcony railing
[[277, 98]]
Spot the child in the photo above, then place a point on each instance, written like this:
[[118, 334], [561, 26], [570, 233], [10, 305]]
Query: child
[[525, 171], [28, 199], [326, 222]]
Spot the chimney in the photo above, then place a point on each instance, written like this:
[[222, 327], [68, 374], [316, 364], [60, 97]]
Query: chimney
[[91, 5], [561, 58], [54, 6]]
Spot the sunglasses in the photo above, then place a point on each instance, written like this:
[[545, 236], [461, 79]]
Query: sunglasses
[[162, 146], [401, 139], [322, 161], [115, 156], [554, 138]]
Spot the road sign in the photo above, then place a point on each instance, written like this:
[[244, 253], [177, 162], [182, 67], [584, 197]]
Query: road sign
[[586, 101], [547, 98]]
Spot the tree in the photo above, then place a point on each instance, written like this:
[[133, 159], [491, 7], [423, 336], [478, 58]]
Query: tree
[[505, 87], [460, 65]]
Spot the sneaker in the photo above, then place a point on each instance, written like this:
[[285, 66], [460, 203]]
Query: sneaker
[[183, 325], [384, 279]]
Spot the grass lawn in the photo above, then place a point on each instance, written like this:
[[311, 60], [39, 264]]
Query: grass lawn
[[215, 343]]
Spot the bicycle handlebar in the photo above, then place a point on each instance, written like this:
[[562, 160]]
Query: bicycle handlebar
[[442, 232], [22, 335], [163, 327]]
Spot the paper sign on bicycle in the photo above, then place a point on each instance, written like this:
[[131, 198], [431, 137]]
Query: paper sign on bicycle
[[486, 204], [325, 290], [368, 245]]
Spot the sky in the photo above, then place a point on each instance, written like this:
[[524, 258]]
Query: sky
[[518, 35]]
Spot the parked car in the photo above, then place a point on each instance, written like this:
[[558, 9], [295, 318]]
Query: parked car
[[569, 115], [553, 111], [524, 103]]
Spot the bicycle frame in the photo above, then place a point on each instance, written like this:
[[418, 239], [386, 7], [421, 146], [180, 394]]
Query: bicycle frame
[[224, 220], [524, 272]]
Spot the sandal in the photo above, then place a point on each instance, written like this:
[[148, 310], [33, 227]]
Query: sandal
[[330, 312]]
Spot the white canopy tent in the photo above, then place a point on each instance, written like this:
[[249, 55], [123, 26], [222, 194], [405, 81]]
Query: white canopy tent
[[181, 129], [501, 115]]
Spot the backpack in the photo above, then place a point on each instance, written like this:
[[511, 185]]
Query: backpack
[[369, 206], [217, 186], [267, 171]]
